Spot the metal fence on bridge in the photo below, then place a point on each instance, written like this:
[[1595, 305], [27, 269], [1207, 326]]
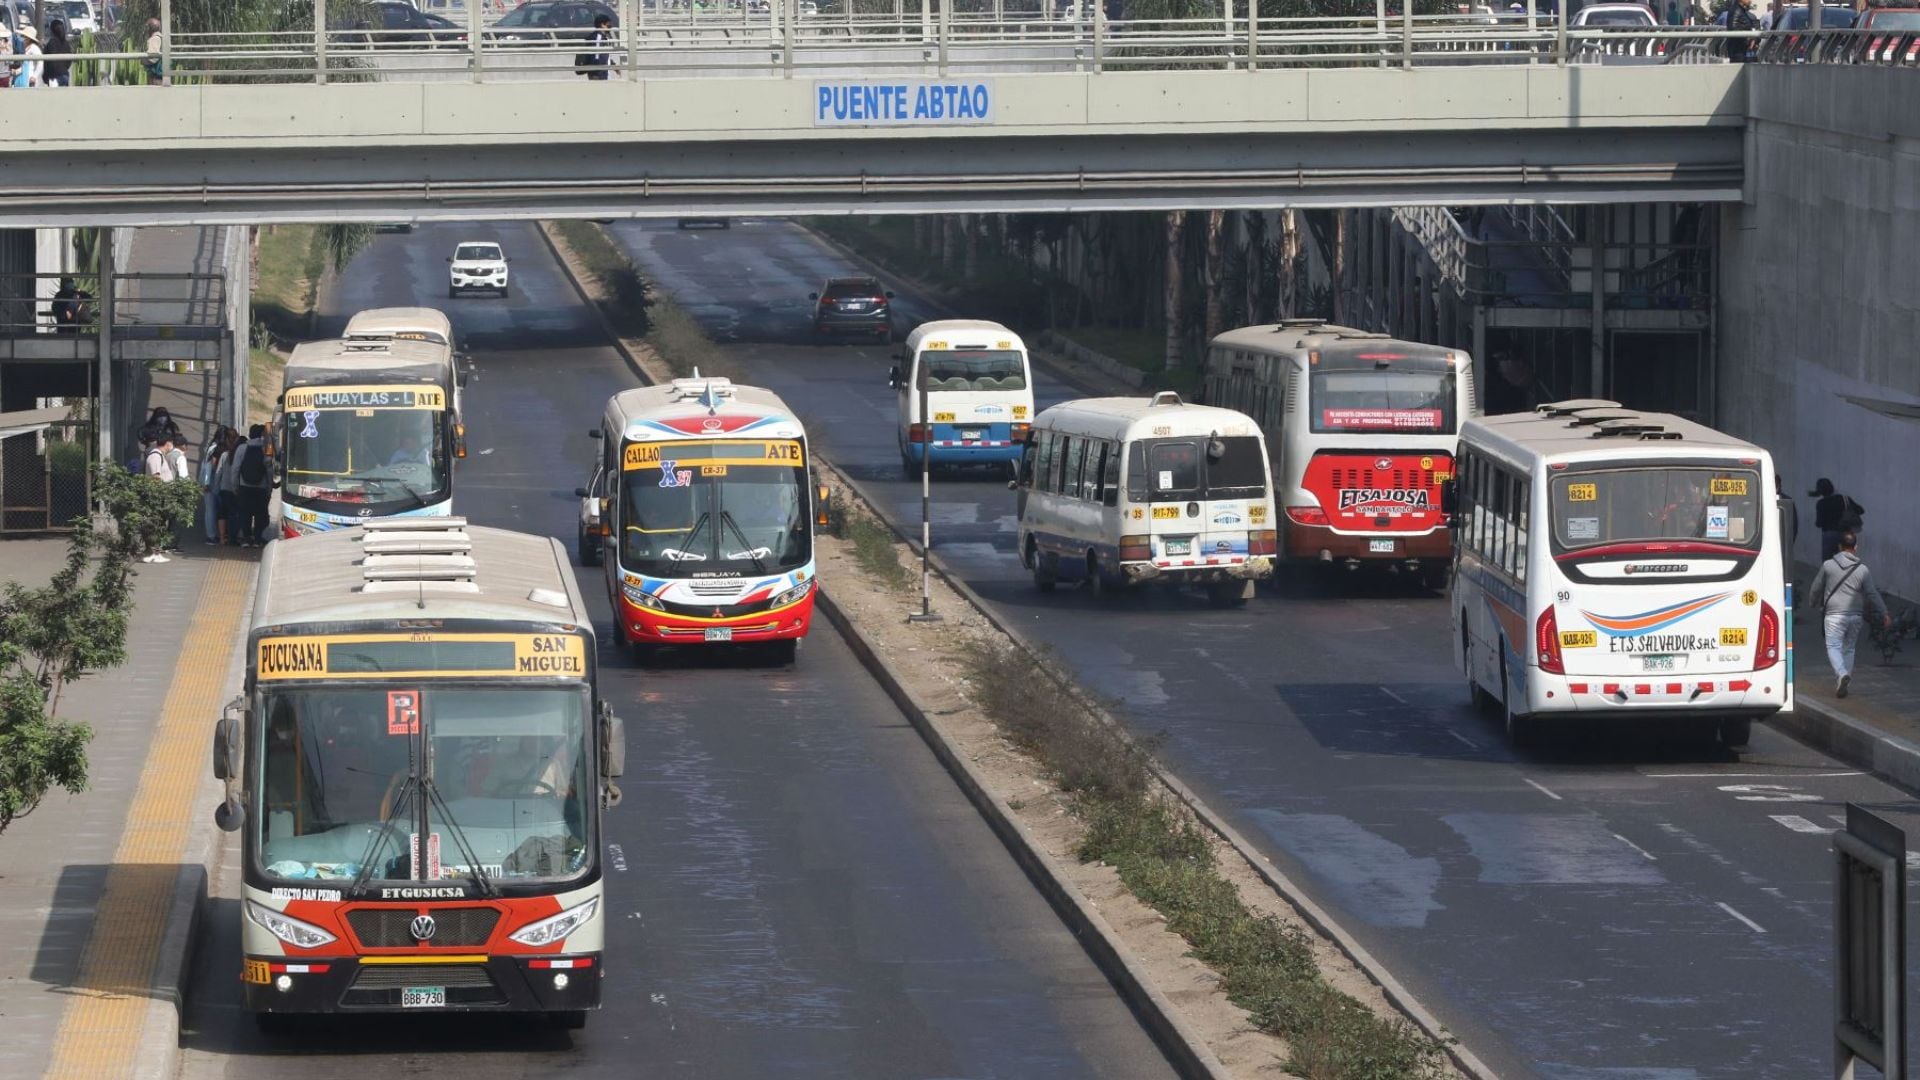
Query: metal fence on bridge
[[789, 38]]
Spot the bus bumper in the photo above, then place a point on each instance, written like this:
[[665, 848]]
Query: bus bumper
[[1255, 568], [1727, 695], [957, 452], [644, 626], [1318, 543], [324, 984]]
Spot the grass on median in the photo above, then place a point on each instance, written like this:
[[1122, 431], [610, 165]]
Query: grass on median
[[286, 279], [1165, 858], [875, 547], [630, 301]]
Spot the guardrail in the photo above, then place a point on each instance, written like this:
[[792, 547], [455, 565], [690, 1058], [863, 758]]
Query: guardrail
[[31, 304], [781, 40]]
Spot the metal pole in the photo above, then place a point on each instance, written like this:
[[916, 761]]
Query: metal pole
[[166, 42], [926, 506], [946, 33], [1560, 33], [103, 364], [1406, 33], [320, 41], [630, 32], [1253, 35], [474, 34], [1099, 36], [1597, 346], [1380, 28], [791, 10]]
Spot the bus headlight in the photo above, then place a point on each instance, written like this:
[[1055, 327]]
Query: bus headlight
[[640, 597], [555, 927], [290, 930], [793, 595]]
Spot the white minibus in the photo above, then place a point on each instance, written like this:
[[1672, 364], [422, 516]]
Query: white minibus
[[1125, 491], [1653, 590], [978, 385]]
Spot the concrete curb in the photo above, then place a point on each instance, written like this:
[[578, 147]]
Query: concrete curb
[[1185, 1050], [1184, 1047], [1396, 993], [1860, 744]]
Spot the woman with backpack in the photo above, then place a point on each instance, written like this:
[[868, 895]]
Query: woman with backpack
[[1833, 514]]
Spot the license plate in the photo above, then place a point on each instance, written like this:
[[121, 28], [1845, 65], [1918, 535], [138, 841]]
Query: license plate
[[971, 433], [719, 633], [1180, 547], [423, 997], [1659, 663], [1380, 547], [853, 307]]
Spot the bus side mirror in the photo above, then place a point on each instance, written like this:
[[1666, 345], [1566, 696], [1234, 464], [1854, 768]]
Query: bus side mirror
[[613, 743], [1449, 498], [463, 369], [595, 433], [893, 377], [226, 748], [579, 493], [459, 440], [230, 815]]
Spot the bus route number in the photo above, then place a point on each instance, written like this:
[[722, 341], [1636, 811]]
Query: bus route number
[[1583, 492], [1163, 513], [1735, 487], [784, 451]]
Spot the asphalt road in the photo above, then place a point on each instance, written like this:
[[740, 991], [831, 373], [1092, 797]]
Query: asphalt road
[[1618, 905], [795, 887]]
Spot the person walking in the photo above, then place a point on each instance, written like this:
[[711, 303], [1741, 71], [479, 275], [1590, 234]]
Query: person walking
[[26, 73], [1844, 589], [594, 64], [154, 65], [1833, 514], [253, 482], [58, 72], [161, 465], [1740, 16]]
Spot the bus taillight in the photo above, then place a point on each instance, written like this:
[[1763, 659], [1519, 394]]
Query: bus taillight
[[1261, 542], [1307, 515], [916, 433], [1136, 548], [1546, 635], [1020, 433], [1768, 653]]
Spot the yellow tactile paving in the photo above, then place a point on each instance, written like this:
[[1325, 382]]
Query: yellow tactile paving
[[100, 1032]]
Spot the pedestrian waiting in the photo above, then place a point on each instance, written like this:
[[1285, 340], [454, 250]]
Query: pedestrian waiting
[[26, 73], [253, 483], [166, 463], [1844, 589], [57, 72]]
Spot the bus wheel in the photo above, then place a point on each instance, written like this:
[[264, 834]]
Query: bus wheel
[[589, 550], [1519, 725], [1734, 734], [568, 1019], [1043, 575], [909, 468], [1435, 578], [1482, 701], [1227, 594], [1097, 580]]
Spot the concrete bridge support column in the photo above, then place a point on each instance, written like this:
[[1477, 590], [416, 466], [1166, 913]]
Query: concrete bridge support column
[[105, 425]]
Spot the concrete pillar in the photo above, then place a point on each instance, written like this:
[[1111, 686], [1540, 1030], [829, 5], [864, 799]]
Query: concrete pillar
[[1480, 347], [106, 426], [1597, 356]]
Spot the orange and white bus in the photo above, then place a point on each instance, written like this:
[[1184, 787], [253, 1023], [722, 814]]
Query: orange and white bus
[[1362, 428], [706, 523]]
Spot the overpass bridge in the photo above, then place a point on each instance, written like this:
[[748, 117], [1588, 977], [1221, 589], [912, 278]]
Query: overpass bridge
[[925, 112]]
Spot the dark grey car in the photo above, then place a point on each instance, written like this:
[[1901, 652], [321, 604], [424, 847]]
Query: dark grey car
[[852, 305]]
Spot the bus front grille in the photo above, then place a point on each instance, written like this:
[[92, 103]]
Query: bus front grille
[[392, 928], [380, 985]]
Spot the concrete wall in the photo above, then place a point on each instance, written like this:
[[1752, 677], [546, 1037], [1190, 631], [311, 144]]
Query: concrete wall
[[1820, 297]]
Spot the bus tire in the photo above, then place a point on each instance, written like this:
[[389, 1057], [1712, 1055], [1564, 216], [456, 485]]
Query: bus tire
[[909, 468], [1735, 734], [1043, 575], [1519, 725], [568, 1019], [1435, 578], [1477, 694], [589, 549], [1097, 583]]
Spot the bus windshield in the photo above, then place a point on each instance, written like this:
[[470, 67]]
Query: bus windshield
[[1161, 469], [366, 456], [683, 518], [979, 369], [1627, 504], [509, 763], [1405, 401]]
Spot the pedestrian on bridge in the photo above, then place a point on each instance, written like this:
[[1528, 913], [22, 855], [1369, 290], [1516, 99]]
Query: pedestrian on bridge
[[27, 72], [155, 67], [1739, 16], [1845, 590], [594, 64], [57, 72]]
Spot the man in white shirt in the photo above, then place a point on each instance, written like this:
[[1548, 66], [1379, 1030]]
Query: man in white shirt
[[165, 463]]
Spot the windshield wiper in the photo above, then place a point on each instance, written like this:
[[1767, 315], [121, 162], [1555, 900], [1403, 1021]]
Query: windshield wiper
[[480, 879], [726, 519], [402, 800]]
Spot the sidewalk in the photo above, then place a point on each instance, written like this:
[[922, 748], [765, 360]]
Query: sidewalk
[[99, 890], [1877, 725]]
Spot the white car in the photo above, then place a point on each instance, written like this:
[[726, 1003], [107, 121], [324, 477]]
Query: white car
[[477, 265], [1614, 16], [79, 15]]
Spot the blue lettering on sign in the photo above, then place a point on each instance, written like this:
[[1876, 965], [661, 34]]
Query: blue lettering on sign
[[671, 476], [905, 103]]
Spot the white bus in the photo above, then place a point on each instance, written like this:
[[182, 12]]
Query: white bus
[[979, 388], [706, 517], [1655, 588], [1363, 428], [1125, 491]]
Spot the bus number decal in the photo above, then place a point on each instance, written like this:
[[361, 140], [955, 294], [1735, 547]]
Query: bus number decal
[[1163, 513], [1727, 487], [1733, 636], [403, 712], [1257, 515], [256, 972], [1138, 513], [943, 418], [1163, 430], [713, 470], [1583, 492], [1019, 412], [1578, 639]]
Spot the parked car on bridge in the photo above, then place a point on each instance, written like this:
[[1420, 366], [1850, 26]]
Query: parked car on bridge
[[1832, 17], [540, 22], [1895, 20], [80, 16], [390, 22], [477, 265], [852, 305], [1613, 16]]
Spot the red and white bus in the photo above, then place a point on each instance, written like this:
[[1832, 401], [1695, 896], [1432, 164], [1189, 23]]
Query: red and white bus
[[705, 522], [1362, 428]]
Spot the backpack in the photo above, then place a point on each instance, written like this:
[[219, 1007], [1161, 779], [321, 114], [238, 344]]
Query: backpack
[[253, 467], [1850, 517]]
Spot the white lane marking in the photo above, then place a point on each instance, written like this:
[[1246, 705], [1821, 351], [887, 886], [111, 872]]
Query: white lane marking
[[1543, 790], [1393, 695], [1635, 847], [1768, 793], [1728, 908], [1740, 775], [1799, 824], [1838, 819], [1463, 738]]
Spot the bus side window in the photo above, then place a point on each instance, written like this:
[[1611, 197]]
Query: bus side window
[[1110, 476], [1522, 503], [1499, 547], [1473, 498], [1042, 460], [1136, 472], [1096, 468], [1076, 455]]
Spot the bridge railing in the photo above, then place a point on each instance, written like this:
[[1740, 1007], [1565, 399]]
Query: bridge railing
[[781, 40]]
